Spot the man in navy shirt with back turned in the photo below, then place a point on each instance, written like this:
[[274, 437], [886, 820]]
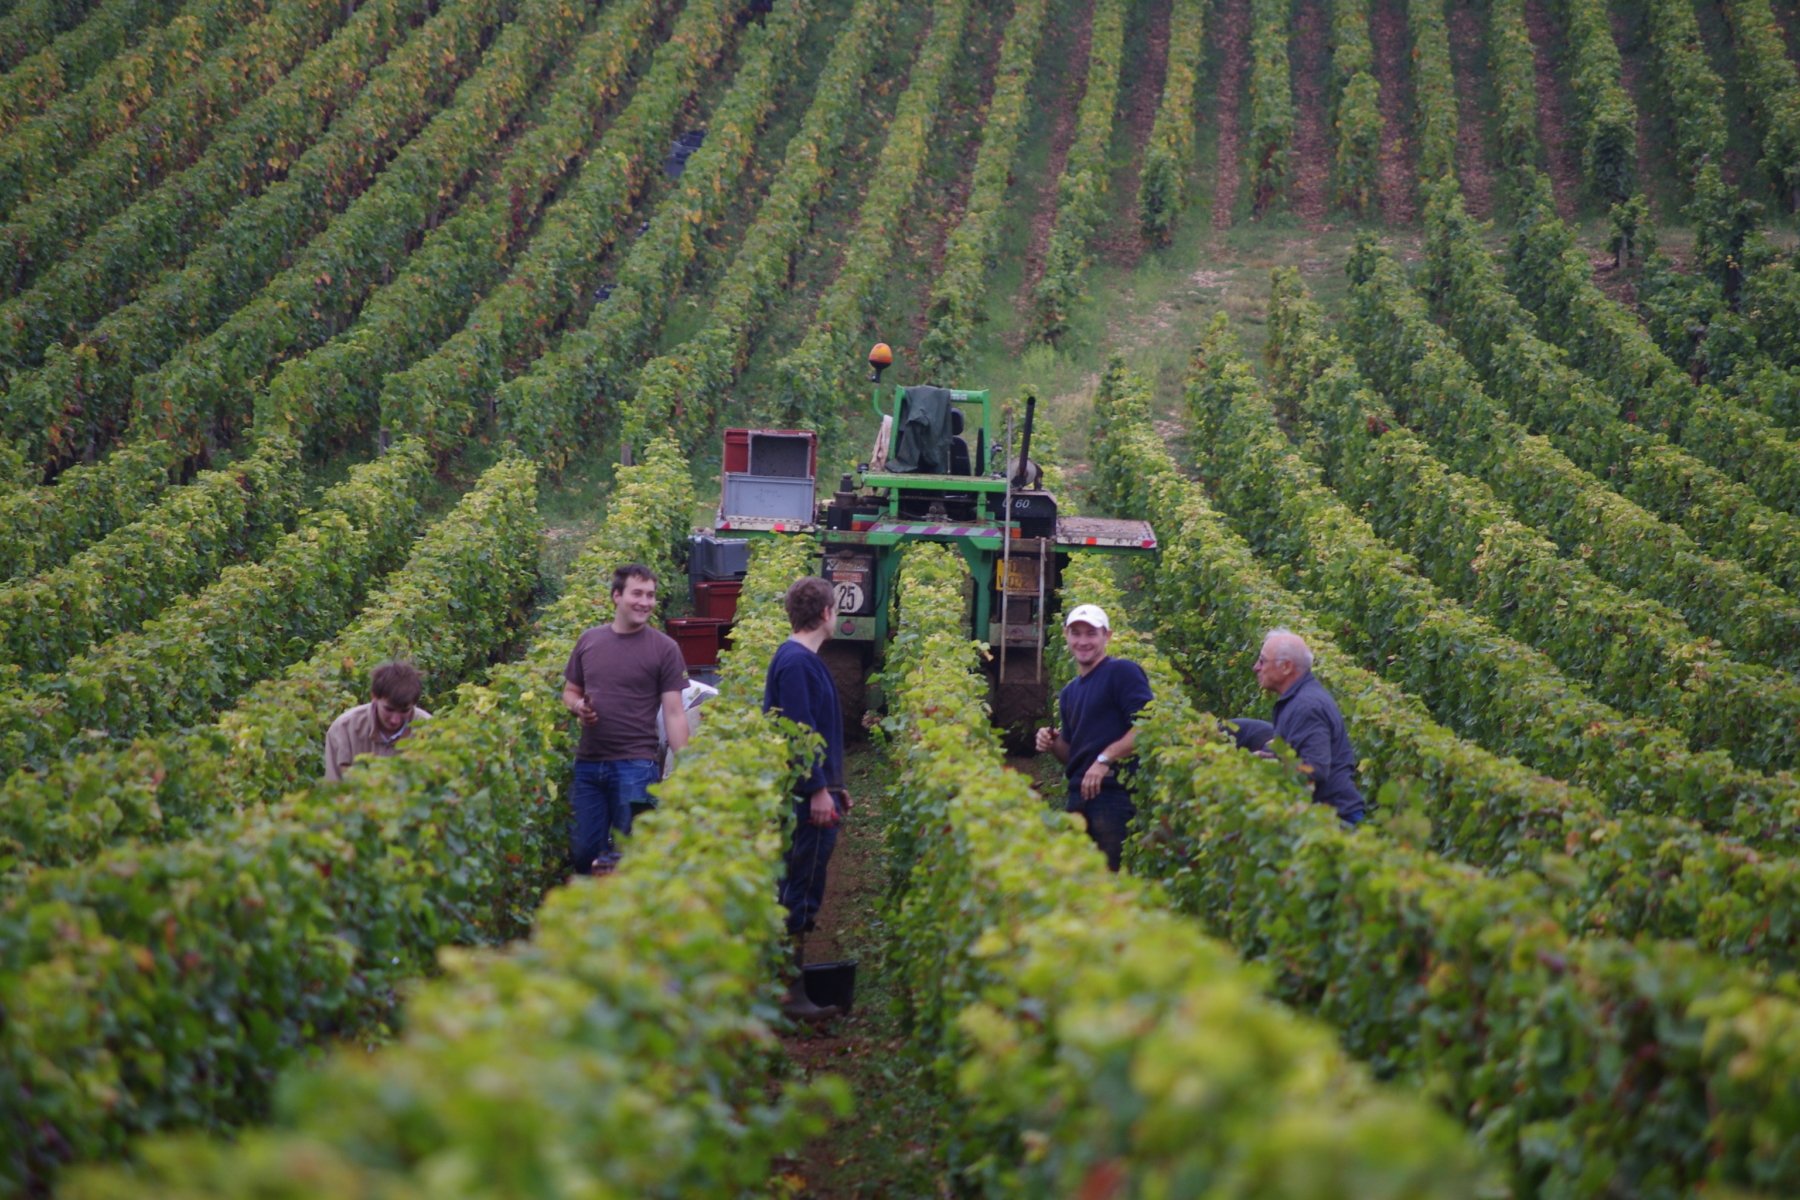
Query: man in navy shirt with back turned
[[1098, 709], [1308, 720], [799, 687]]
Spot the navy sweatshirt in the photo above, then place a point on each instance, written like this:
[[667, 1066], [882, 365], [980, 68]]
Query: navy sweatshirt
[[799, 686], [1097, 709], [1307, 718]]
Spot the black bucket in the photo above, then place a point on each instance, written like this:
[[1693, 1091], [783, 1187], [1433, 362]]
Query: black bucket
[[830, 984]]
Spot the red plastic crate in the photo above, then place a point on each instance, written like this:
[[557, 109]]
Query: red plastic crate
[[717, 598], [701, 639], [738, 447]]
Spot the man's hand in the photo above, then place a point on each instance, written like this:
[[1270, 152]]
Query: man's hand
[[585, 710], [1092, 778], [845, 803], [824, 813], [1046, 738]]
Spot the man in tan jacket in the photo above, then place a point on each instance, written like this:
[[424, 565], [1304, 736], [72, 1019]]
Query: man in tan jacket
[[378, 726]]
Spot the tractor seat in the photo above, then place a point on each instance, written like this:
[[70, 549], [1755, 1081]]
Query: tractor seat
[[959, 445]]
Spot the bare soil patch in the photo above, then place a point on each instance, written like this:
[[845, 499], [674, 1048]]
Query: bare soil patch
[[1064, 104], [1312, 145], [1121, 242], [1559, 152], [1232, 25], [1395, 181], [892, 1145], [1473, 166], [1615, 283]]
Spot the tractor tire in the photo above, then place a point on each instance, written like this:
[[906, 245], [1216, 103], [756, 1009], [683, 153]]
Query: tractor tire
[[849, 664]]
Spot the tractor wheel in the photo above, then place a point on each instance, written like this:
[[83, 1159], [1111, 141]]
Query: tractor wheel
[[849, 665], [1021, 703]]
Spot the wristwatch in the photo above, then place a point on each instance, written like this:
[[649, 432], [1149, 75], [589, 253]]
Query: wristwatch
[[1102, 759]]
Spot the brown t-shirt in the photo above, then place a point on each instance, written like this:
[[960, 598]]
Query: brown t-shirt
[[624, 677]]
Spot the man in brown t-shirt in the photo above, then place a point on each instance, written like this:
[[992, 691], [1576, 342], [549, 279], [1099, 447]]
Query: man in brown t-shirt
[[377, 727], [618, 676]]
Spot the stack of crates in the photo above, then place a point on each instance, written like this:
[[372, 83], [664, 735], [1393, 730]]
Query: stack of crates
[[716, 569]]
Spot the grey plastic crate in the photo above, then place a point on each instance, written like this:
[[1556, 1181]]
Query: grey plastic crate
[[717, 558], [768, 497]]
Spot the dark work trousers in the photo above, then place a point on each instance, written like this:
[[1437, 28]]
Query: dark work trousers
[[809, 854], [1108, 817], [602, 795]]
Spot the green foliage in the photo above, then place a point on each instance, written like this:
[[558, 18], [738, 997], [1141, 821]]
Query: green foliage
[[448, 610], [200, 653], [814, 377], [1691, 92], [1771, 390], [1593, 1067], [1269, 140], [1691, 321], [443, 396], [1726, 242], [1355, 100], [333, 392], [1434, 89], [1615, 537], [1076, 1022], [680, 388], [1770, 304], [70, 61], [1636, 654], [623, 1050], [958, 292], [1169, 154], [1550, 275], [549, 411], [121, 581], [1081, 191], [1773, 88], [1605, 117], [1530, 376], [1616, 875], [1632, 236], [160, 987], [82, 393], [1514, 85], [208, 383], [30, 25], [1491, 687], [46, 525], [176, 126]]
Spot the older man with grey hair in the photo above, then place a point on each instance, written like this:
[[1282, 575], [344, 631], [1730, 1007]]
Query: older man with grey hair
[[1307, 719]]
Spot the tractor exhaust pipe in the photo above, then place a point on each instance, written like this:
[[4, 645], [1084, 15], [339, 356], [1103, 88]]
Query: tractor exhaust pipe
[[1022, 474]]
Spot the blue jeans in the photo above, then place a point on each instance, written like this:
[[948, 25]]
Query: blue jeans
[[603, 794], [1108, 817], [803, 885]]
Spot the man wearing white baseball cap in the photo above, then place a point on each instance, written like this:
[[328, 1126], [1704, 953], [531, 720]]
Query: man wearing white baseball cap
[[1098, 709]]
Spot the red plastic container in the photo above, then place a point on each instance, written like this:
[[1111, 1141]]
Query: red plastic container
[[701, 639], [717, 598], [741, 454]]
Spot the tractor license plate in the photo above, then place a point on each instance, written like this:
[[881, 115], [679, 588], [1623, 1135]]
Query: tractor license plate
[[853, 581], [1018, 575]]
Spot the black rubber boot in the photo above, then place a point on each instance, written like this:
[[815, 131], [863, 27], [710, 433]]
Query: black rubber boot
[[795, 1005]]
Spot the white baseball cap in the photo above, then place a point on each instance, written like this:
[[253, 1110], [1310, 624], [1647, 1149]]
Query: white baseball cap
[[1093, 614]]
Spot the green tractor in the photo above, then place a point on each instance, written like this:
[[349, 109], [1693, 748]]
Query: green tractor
[[940, 471]]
